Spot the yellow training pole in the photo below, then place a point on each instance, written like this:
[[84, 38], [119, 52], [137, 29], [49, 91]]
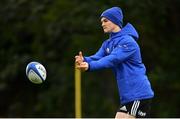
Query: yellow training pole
[[77, 93]]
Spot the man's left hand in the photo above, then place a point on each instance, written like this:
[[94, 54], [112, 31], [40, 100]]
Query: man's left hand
[[83, 66]]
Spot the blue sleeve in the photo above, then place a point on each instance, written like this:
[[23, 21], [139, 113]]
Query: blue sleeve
[[120, 53], [98, 55]]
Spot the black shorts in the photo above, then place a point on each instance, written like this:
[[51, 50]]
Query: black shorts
[[137, 108]]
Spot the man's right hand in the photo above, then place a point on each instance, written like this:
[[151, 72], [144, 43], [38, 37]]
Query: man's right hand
[[79, 58]]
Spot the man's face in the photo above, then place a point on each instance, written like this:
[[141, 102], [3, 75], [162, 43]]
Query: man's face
[[107, 25]]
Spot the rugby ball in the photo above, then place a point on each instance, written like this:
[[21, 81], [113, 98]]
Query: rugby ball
[[36, 72]]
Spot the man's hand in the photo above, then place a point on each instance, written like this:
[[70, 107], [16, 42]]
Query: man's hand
[[79, 58], [83, 66]]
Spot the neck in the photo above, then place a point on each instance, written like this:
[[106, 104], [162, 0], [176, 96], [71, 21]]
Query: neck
[[116, 29]]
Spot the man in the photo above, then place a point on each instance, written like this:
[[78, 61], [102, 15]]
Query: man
[[122, 54]]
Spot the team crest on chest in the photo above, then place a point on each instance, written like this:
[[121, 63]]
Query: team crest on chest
[[107, 50]]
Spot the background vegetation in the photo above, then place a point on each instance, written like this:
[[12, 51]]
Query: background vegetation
[[53, 31]]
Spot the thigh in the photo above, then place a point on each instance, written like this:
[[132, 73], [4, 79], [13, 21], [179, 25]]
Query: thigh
[[137, 108], [120, 115]]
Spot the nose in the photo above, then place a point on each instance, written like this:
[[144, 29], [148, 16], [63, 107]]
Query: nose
[[102, 24]]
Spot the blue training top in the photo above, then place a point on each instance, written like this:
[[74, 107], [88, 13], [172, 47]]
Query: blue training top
[[122, 53]]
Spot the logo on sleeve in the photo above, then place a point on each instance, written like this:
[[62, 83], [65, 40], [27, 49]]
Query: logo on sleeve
[[123, 46]]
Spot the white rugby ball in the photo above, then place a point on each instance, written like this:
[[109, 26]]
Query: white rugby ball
[[36, 72]]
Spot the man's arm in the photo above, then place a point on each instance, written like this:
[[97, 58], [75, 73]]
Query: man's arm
[[121, 53], [118, 55]]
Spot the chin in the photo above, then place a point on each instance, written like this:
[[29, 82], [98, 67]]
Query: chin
[[105, 31]]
